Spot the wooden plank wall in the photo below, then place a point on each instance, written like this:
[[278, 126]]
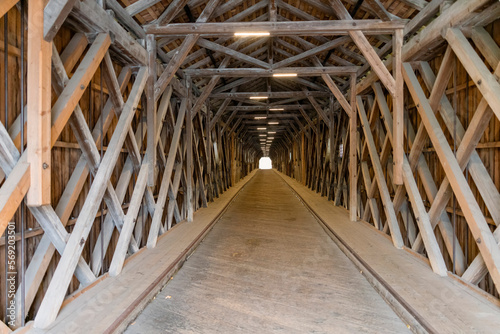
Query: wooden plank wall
[[332, 179], [66, 153]]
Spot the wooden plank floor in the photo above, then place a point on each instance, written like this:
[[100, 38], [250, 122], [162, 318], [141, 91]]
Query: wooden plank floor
[[267, 266], [446, 304]]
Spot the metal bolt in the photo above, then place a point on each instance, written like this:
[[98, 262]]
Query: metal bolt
[[45, 165], [82, 242], [82, 87], [478, 240]]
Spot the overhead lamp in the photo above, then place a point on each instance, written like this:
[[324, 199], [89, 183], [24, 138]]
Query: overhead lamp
[[270, 138], [276, 109], [284, 75], [271, 132], [262, 135], [261, 128], [260, 117], [252, 34], [258, 97], [273, 123]]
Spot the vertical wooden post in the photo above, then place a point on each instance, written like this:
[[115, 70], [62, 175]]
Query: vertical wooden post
[[303, 162], [353, 142], [332, 133], [39, 107], [232, 156], [151, 110], [189, 153], [209, 156], [398, 109]]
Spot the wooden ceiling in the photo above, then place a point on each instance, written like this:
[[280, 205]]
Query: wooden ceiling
[[210, 52]]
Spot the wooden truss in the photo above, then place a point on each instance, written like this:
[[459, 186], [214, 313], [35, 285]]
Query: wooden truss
[[176, 126], [410, 212]]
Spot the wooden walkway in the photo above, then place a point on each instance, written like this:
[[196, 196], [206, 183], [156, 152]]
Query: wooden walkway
[[268, 266], [444, 304]]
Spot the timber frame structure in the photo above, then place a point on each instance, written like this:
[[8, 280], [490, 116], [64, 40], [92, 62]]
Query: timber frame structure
[[135, 114]]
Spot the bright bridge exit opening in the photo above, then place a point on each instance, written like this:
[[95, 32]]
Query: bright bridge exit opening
[[265, 163]]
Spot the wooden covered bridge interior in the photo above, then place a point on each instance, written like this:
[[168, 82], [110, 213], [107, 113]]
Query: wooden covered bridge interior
[[131, 198]]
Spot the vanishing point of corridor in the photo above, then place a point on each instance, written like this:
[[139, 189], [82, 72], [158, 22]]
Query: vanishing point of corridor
[[267, 266]]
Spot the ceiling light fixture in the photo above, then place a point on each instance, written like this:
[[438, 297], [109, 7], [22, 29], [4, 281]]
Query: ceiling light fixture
[[258, 97], [260, 117], [273, 123], [252, 34], [261, 128], [284, 75], [276, 109]]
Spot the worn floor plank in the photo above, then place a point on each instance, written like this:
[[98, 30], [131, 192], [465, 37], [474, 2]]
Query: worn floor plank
[[267, 266]]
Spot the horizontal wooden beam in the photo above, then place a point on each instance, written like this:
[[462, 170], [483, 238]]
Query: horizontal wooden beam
[[309, 28], [271, 95], [260, 72], [265, 121], [271, 116], [231, 52], [264, 107]]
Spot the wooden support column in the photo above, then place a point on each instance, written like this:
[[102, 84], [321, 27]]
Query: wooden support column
[[398, 114], [39, 107], [189, 158], [232, 156], [303, 162], [353, 164], [208, 149], [151, 110]]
